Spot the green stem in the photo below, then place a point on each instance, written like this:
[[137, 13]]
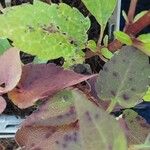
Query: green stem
[[100, 38], [111, 106]]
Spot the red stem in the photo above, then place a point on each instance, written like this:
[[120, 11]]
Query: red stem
[[132, 30], [131, 11]]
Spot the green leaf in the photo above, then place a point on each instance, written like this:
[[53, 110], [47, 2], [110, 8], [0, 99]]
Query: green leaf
[[98, 130], [4, 45], [125, 78], [145, 45], [101, 10], [91, 45], [105, 40], [136, 126], [106, 53], [147, 96], [125, 16], [123, 37], [145, 38], [47, 31], [139, 15]]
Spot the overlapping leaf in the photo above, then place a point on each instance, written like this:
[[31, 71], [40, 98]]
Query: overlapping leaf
[[2, 104], [57, 111], [125, 78], [10, 73], [137, 128], [4, 45], [48, 138], [10, 70], [47, 31], [97, 130], [42, 80], [144, 146]]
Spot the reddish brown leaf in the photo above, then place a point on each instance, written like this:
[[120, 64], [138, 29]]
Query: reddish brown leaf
[[10, 70], [56, 111], [48, 138], [41, 80], [2, 147], [2, 104]]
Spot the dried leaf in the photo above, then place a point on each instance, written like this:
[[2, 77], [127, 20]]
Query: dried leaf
[[41, 80], [10, 70], [4, 45]]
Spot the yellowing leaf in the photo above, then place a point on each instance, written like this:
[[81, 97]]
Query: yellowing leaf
[[47, 31]]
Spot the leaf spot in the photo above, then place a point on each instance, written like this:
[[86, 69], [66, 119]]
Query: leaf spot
[[115, 74], [125, 97]]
